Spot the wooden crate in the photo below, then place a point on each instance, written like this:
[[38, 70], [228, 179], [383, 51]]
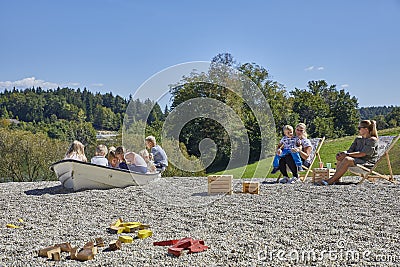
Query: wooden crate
[[320, 174], [218, 184], [251, 187]]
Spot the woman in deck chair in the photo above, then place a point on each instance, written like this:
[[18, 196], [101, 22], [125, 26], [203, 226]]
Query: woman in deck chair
[[364, 150], [304, 151]]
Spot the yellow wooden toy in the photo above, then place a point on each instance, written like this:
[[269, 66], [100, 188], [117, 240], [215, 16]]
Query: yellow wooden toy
[[144, 234], [125, 239]]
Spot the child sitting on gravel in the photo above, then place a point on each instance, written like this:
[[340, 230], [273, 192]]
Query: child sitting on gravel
[[285, 146], [100, 156]]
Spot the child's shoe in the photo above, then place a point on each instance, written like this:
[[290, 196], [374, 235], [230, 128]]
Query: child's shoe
[[274, 170], [293, 180], [300, 168], [284, 180]]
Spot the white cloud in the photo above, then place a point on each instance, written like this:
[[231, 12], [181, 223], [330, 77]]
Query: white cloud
[[28, 82], [344, 85], [32, 81], [97, 84], [72, 84], [314, 68]]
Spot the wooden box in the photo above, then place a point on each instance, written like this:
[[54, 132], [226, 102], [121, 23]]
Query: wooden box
[[322, 174], [251, 187], [218, 184]]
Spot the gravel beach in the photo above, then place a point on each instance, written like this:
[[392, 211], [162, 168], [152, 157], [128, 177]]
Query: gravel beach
[[285, 225]]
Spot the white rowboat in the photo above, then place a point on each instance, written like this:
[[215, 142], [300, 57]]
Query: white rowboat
[[78, 175]]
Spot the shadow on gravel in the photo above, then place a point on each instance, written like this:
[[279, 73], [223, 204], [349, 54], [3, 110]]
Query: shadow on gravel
[[345, 183], [269, 181], [202, 194], [54, 190]]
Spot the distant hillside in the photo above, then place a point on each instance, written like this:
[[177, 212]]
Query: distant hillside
[[371, 112], [104, 111]]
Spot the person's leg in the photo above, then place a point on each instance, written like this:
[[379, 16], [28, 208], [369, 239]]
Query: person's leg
[[292, 165], [297, 159], [282, 167], [341, 169], [275, 163]]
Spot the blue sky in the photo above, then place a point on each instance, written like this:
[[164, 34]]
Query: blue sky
[[116, 45]]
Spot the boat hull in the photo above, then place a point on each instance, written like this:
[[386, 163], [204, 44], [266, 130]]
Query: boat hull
[[79, 175]]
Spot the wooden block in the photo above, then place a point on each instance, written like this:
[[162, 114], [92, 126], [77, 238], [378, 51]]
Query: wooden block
[[131, 228], [10, 225], [166, 242], [55, 256], [65, 247], [46, 252], [89, 244], [320, 174], [117, 223], [99, 242], [85, 254], [144, 226], [130, 224], [125, 239], [220, 184], [251, 187], [115, 245], [197, 246], [144, 234], [52, 251], [175, 251], [72, 253]]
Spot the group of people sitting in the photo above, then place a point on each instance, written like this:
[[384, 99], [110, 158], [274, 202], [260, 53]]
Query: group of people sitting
[[294, 151], [118, 157]]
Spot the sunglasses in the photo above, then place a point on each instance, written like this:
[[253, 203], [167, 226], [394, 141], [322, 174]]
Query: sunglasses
[[359, 127], [299, 130]]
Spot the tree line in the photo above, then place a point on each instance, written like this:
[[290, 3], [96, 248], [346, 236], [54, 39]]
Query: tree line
[[103, 111], [68, 114]]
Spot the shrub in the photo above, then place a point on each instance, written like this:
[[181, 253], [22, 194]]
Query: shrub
[[26, 156]]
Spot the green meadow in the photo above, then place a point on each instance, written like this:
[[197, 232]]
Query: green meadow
[[327, 152]]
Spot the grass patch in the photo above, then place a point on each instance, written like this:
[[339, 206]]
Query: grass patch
[[257, 169]]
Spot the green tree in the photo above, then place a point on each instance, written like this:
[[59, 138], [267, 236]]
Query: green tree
[[218, 83], [326, 111], [393, 118]]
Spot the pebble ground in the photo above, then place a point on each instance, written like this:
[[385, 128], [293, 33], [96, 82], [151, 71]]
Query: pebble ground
[[285, 225]]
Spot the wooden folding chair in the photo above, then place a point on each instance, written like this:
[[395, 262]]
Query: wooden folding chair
[[316, 147], [316, 144], [386, 143]]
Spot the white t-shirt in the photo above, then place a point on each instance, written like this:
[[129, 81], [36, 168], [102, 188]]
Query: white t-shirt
[[139, 161], [99, 160]]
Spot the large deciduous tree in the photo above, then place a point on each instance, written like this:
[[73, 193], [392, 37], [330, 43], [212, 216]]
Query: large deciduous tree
[[326, 111]]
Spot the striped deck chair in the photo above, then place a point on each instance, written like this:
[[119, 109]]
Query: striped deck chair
[[386, 143], [316, 144]]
